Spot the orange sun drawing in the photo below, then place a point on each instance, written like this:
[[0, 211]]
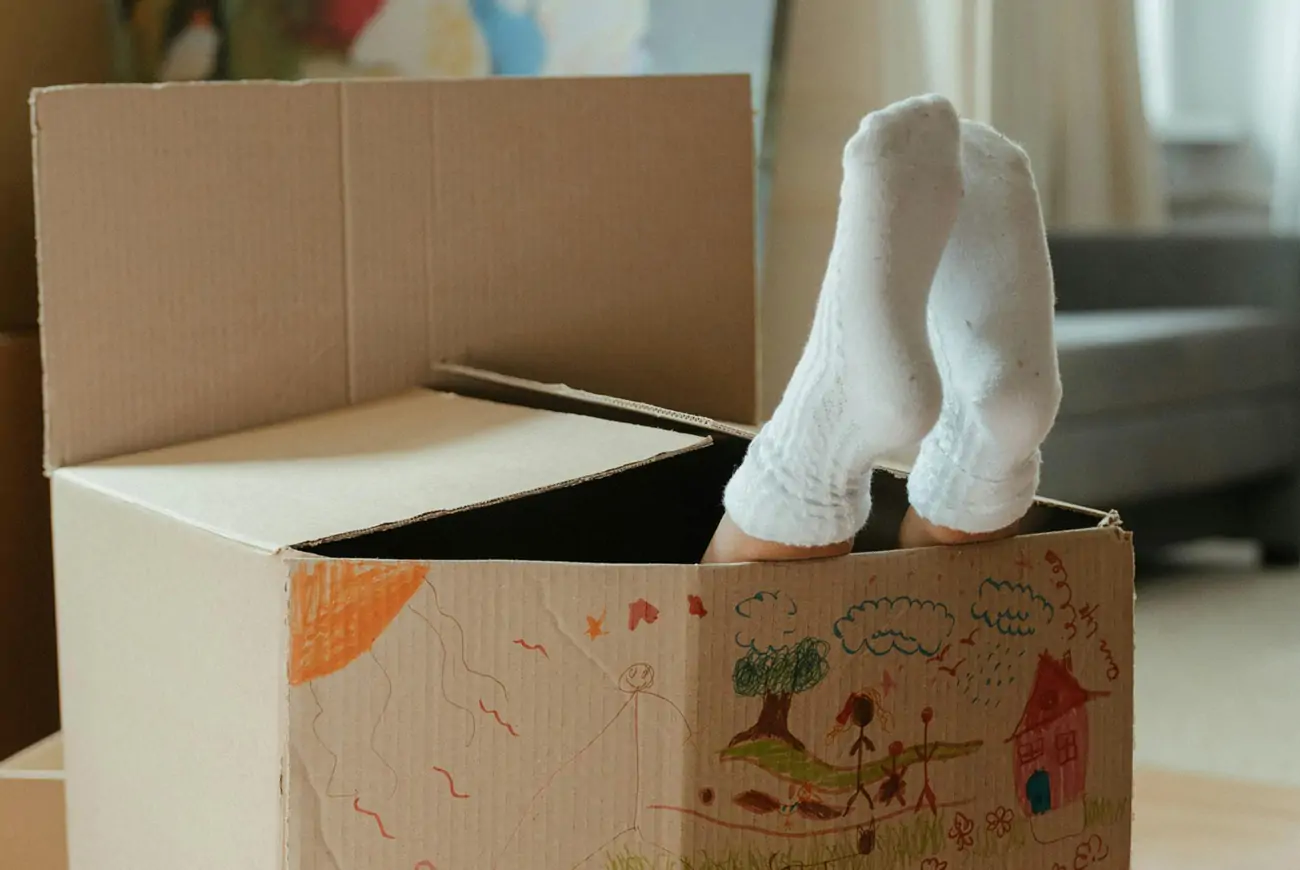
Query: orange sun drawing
[[596, 626]]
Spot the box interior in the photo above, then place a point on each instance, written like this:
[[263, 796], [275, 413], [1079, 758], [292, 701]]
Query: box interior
[[660, 513], [485, 469]]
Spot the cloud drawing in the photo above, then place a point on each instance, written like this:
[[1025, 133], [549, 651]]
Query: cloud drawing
[[1011, 609], [903, 625], [770, 621]]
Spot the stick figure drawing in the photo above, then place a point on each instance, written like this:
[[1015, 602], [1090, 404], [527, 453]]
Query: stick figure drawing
[[615, 755]]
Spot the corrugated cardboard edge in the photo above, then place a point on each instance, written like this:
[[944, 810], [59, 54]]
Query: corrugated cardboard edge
[[46, 440], [465, 379], [1104, 518]]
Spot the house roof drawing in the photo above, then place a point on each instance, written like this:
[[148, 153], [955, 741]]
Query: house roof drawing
[[1056, 692]]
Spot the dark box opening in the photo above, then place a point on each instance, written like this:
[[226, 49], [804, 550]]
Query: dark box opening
[[661, 513]]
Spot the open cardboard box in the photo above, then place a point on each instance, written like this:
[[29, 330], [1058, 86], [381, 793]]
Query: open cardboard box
[[326, 601], [33, 833]]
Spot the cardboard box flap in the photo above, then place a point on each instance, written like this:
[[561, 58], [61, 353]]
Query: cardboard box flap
[[221, 256], [468, 381], [375, 465], [45, 756]]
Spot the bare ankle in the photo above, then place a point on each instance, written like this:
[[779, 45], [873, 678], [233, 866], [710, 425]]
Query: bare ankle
[[916, 531], [731, 545]]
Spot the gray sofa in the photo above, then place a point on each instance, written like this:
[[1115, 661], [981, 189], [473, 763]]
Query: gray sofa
[[1180, 359]]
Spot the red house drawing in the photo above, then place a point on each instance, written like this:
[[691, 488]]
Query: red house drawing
[[1051, 740]]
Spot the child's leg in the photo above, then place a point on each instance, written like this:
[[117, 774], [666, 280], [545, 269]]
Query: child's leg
[[867, 383], [991, 329]]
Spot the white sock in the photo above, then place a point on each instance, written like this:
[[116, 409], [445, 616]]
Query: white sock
[[867, 383], [990, 322]]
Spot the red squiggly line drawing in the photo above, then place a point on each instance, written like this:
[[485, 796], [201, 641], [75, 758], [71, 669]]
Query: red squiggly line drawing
[[424, 865], [1087, 613], [1112, 667], [1058, 567], [450, 782], [356, 805], [533, 647], [497, 716]]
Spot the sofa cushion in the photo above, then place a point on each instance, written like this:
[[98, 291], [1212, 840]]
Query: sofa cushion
[[1136, 359], [1108, 462]]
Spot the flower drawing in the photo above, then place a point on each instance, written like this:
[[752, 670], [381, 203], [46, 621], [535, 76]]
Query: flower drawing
[[999, 821], [962, 832], [934, 864]]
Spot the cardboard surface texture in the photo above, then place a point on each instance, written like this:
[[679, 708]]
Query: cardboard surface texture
[[40, 44], [341, 238], [29, 688], [33, 833], [462, 627]]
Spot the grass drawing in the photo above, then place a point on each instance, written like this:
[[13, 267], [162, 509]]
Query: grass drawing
[[780, 759], [899, 846], [1099, 812]]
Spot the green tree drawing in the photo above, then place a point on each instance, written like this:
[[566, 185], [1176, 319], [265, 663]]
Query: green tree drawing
[[777, 674]]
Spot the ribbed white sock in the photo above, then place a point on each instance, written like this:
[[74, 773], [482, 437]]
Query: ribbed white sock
[[990, 323], [867, 383]]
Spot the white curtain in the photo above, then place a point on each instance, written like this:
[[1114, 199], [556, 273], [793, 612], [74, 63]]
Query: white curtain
[[1062, 78], [1059, 76], [1276, 113]]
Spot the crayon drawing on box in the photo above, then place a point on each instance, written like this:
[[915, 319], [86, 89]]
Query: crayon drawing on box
[[909, 723]]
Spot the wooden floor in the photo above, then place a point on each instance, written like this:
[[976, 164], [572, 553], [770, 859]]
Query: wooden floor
[[1189, 822]]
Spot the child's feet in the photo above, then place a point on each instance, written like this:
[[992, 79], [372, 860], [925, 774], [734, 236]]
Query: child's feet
[[730, 545], [991, 313], [917, 531], [867, 383]]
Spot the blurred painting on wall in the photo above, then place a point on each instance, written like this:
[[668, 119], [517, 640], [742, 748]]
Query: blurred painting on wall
[[195, 40]]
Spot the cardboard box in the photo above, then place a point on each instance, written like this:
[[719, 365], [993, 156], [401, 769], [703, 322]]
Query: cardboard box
[[33, 833], [315, 615], [40, 44], [29, 686]]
